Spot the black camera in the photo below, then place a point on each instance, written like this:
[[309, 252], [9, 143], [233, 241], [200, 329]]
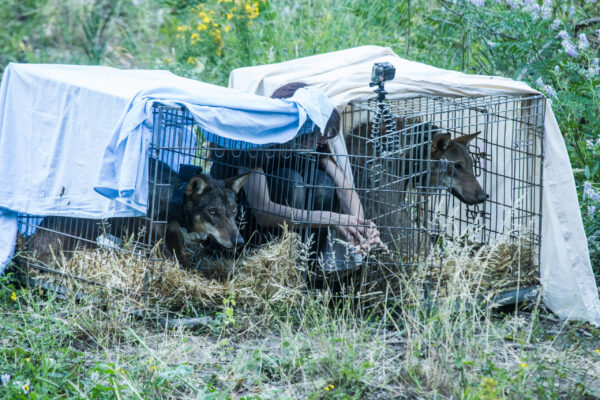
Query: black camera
[[382, 72]]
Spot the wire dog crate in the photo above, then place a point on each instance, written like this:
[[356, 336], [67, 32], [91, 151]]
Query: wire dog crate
[[367, 215], [507, 155]]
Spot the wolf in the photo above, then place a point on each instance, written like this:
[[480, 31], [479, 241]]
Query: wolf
[[459, 174], [208, 208], [425, 141]]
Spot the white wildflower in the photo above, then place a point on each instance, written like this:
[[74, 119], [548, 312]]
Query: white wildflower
[[539, 82], [549, 91], [583, 42]]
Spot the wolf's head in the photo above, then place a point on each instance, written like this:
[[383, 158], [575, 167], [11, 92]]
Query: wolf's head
[[459, 175], [210, 207]]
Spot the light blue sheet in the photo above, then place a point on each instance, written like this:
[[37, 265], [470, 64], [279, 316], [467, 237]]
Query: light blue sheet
[[73, 139]]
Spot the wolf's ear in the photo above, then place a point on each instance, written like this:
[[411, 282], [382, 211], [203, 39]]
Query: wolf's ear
[[237, 182], [465, 139], [197, 185], [439, 144]]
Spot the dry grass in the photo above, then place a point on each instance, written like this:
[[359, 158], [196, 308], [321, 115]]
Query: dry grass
[[270, 272], [457, 348], [504, 263], [274, 272]]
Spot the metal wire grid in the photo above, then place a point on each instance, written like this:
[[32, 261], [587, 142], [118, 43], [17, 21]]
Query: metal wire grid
[[507, 155]]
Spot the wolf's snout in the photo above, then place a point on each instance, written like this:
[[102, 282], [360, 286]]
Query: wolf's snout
[[239, 241], [481, 197]]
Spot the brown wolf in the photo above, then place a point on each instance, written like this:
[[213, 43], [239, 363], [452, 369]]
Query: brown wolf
[[458, 176]]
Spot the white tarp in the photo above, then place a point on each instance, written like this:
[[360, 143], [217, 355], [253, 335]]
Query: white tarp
[[566, 275]]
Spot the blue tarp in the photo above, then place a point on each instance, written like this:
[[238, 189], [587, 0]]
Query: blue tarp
[[73, 139]]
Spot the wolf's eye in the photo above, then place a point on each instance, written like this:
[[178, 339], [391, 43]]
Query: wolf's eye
[[234, 209], [458, 167], [212, 211]]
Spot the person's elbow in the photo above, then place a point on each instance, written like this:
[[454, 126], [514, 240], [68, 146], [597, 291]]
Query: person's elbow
[[263, 219]]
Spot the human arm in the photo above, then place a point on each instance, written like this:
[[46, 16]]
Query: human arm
[[350, 201], [270, 213], [344, 189]]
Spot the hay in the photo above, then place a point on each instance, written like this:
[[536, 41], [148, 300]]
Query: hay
[[272, 274], [269, 273], [503, 264]]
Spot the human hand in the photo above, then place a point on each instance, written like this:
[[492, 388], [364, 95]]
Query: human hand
[[357, 232]]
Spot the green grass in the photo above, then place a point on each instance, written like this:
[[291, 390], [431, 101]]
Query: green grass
[[64, 348]]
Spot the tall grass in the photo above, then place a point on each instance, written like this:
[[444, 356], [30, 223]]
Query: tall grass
[[316, 348], [279, 31]]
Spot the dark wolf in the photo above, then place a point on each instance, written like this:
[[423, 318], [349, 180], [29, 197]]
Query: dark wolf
[[208, 208]]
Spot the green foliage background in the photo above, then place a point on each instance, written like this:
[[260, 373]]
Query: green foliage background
[[520, 39]]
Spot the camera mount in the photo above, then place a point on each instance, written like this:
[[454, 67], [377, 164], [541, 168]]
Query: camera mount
[[381, 73]]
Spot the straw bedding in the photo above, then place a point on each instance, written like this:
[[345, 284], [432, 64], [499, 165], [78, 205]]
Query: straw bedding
[[274, 272], [270, 272], [503, 264]]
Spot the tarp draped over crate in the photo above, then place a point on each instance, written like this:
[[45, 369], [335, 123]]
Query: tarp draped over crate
[[71, 133], [566, 274]]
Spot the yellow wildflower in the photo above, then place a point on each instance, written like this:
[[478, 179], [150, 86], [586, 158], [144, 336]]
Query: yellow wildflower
[[14, 296], [229, 16], [524, 365], [227, 28], [251, 10], [206, 19], [154, 367], [27, 359], [192, 60], [201, 27], [597, 351]]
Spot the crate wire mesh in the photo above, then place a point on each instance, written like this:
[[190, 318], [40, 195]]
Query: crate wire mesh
[[389, 175], [507, 156]]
